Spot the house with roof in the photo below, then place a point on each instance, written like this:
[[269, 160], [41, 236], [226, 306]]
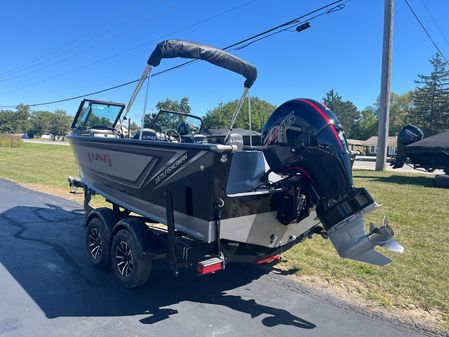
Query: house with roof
[[369, 147]]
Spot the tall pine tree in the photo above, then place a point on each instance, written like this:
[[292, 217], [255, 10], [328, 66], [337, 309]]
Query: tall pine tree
[[346, 111], [431, 99]]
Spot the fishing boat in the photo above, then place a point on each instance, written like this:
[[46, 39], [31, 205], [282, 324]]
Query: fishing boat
[[221, 200], [430, 153]]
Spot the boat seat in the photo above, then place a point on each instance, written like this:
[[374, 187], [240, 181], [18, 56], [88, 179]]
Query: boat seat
[[147, 134], [237, 140], [103, 133]]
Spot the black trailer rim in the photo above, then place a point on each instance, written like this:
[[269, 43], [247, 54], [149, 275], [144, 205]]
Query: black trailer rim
[[124, 257], [95, 243]]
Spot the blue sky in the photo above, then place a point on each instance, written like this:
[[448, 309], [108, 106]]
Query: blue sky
[[56, 49]]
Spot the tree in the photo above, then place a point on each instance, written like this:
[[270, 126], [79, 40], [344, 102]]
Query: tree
[[171, 105], [174, 105], [60, 124], [7, 124], [346, 111], [21, 118], [220, 116], [366, 125], [15, 121], [431, 99], [400, 111], [400, 108], [40, 122]]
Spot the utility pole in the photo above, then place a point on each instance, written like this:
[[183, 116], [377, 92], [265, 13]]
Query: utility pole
[[384, 115]]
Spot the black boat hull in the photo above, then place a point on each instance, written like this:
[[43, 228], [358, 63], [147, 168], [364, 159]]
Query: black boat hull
[[135, 174]]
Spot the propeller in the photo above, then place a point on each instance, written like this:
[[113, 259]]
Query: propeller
[[383, 236]]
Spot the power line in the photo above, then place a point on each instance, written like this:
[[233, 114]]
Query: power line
[[73, 45], [118, 53], [425, 30], [246, 40], [294, 24], [435, 22]]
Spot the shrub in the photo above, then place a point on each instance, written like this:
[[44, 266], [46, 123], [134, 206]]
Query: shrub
[[7, 140]]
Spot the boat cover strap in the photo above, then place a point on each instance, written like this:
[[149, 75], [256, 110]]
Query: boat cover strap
[[193, 50]]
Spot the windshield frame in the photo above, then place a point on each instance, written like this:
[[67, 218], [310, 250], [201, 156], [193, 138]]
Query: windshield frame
[[89, 103]]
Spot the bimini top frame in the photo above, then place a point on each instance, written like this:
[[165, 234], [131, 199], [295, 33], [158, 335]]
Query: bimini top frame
[[192, 50]]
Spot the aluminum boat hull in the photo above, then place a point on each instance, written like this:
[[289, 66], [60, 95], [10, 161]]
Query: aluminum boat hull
[[135, 174]]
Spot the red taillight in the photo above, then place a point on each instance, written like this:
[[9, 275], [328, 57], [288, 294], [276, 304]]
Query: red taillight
[[268, 259], [209, 266]]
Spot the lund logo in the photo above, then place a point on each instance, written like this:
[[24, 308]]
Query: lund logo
[[164, 174], [277, 131], [104, 157]]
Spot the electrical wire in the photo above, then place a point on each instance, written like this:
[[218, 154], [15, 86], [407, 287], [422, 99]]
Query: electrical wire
[[120, 52], [435, 22], [66, 48], [104, 58], [288, 24], [425, 30], [288, 28]]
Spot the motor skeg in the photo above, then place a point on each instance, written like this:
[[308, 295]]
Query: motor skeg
[[305, 136]]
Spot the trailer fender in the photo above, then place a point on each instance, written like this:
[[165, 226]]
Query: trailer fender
[[107, 216], [143, 235]]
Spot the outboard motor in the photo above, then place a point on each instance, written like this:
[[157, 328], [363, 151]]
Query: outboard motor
[[304, 142], [409, 134]]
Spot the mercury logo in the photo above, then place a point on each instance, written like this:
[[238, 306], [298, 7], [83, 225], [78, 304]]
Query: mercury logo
[[274, 134]]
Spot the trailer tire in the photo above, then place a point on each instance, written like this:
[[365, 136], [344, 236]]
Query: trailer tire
[[131, 266], [97, 243], [442, 181]]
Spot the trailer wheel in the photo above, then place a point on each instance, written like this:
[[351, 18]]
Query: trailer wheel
[[130, 265], [97, 243], [442, 181]]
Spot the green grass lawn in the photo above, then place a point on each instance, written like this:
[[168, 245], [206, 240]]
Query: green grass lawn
[[38, 164], [418, 212]]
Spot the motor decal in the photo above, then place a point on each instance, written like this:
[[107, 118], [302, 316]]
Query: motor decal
[[274, 134]]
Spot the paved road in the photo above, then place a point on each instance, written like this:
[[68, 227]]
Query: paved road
[[48, 288], [371, 165], [46, 142]]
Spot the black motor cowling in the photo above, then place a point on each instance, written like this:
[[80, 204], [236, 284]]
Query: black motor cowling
[[304, 136], [409, 134]]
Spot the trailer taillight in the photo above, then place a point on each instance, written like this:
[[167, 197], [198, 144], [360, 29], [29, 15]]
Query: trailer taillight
[[209, 266]]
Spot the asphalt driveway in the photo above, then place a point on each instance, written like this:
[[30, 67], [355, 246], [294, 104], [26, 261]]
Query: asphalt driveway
[[48, 288]]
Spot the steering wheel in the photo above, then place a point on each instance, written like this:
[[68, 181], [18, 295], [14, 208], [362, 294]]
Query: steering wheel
[[174, 132]]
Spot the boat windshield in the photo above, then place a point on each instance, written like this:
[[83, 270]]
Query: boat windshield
[[183, 123], [97, 114]]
